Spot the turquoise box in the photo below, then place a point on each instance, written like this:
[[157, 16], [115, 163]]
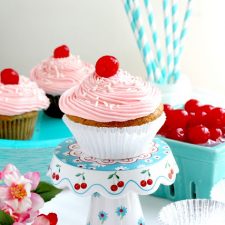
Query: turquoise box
[[200, 168]]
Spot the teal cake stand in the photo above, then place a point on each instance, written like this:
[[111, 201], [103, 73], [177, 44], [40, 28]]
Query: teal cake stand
[[113, 184], [35, 154]]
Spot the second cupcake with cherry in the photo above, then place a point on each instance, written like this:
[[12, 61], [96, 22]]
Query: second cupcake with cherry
[[59, 73], [112, 114]]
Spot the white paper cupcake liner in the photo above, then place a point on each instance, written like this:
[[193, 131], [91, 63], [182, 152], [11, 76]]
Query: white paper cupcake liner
[[115, 143], [193, 212]]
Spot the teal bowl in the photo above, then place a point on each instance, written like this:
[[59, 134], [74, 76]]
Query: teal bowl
[[35, 154], [200, 168]]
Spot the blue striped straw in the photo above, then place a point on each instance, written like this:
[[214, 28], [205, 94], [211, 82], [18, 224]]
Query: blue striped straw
[[176, 41], [155, 37], [185, 24], [168, 37], [133, 11]]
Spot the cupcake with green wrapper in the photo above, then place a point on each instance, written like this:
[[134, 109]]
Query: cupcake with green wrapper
[[59, 73], [20, 101]]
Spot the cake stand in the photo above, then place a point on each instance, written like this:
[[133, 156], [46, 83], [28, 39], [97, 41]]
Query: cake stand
[[113, 184]]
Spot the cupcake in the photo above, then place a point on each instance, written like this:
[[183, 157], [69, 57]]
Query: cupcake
[[20, 101], [59, 73], [112, 114]]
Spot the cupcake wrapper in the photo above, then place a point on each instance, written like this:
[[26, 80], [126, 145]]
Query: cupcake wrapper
[[53, 110], [193, 212], [18, 128], [115, 143]]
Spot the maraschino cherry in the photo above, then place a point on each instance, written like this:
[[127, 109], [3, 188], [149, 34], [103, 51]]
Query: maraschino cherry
[[9, 76], [62, 51], [107, 66]]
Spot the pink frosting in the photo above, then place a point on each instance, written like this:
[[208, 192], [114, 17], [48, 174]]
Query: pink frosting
[[21, 98], [121, 97], [55, 76]]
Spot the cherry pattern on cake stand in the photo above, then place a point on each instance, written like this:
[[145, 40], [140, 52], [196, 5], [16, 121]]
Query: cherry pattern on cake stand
[[113, 184]]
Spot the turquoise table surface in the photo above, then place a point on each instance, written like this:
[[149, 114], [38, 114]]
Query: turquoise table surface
[[35, 154]]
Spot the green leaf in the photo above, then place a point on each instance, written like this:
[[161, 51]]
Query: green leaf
[[5, 218], [79, 174], [83, 177], [143, 171], [111, 176], [117, 176], [47, 191]]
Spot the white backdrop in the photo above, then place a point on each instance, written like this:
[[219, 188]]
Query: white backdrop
[[31, 29]]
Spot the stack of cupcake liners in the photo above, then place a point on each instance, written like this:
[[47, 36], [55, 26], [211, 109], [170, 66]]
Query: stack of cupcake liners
[[193, 212]]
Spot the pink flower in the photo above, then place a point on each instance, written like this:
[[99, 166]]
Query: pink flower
[[50, 219], [17, 194]]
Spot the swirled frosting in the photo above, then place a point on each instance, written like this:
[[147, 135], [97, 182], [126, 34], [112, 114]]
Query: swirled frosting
[[121, 97], [20, 98], [56, 75]]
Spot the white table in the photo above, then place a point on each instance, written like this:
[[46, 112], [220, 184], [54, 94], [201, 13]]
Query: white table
[[72, 210]]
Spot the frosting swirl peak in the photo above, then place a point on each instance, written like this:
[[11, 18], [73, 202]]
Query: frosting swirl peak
[[20, 98], [120, 98], [55, 75]]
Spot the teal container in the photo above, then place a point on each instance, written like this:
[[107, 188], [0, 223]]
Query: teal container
[[200, 168], [35, 154]]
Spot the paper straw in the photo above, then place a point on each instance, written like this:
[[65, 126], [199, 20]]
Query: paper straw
[[185, 24], [155, 37], [133, 11], [176, 40], [168, 37]]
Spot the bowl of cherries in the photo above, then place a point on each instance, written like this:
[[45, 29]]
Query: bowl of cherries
[[194, 123], [196, 135]]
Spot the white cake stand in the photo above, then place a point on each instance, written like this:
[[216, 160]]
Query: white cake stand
[[113, 184]]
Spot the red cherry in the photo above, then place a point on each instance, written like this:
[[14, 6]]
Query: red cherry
[[77, 186], [163, 130], [53, 176], [205, 108], [216, 118], [143, 183], [167, 108], [114, 187], [57, 177], [215, 133], [107, 66], [83, 185], [149, 181], [178, 134], [223, 130], [120, 184], [198, 134], [177, 118], [192, 105], [197, 118], [9, 76], [53, 219], [62, 51]]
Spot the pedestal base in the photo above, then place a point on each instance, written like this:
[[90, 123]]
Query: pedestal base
[[120, 211]]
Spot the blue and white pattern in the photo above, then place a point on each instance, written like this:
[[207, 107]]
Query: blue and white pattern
[[79, 160], [121, 211], [96, 195], [136, 21], [141, 221], [103, 216], [155, 38]]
